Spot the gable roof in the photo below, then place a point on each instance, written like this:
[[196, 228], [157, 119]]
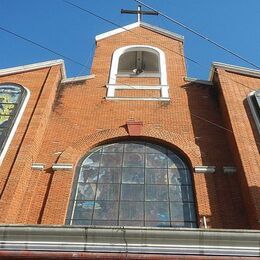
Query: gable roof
[[41, 65], [143, 25], [233, 68], [34, 66]]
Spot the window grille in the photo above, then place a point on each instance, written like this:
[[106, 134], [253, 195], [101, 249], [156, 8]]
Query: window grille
[[132, 183]]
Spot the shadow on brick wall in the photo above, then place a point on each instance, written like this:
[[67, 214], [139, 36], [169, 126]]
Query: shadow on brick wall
[[224, 194], [252, 123], [256, 221]]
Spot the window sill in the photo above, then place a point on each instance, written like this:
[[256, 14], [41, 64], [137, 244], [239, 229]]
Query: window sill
[[111, 88], [138, 98], [141, 75]]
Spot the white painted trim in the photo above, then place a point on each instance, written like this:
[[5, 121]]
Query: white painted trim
[[81, 78], [45, 64], [114, 67], [142, 75], [116, 31], [205, 169], [134, 87], [199, 81], [62, 166], [16, 123], [141, 24], [138, 98], [34, 66], [38, 166], [252, 108], [111, 88], [164, 32], [140, 240], [233, 68], [116, 55], [165, 91]]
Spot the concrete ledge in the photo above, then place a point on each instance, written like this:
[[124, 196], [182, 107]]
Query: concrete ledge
[[80, 78], [62, 166], [138, 98], [130, 240], [34, 66], [205, 169], [198, 81], [233, 68]]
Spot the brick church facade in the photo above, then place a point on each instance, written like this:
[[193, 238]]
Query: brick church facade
[[211, 125]]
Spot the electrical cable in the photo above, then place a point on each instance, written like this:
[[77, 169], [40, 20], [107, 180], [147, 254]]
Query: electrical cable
[[119, 26], [127, 30], [140, 36], [86, 63], [76, 62], [199, 34], [41, 46]]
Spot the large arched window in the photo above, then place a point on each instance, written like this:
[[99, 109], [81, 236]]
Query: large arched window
[[132, 183], [254, 103], [12, 99]]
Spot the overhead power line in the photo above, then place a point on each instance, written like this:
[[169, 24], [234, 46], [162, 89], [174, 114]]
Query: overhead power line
[[88, 11], [76, 62], [41, 46], [119, 26], [199, 34], [141, 36]]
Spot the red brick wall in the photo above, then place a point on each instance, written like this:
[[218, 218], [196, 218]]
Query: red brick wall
[[138, 81], [244, 139], [83, 118], [134, 93], [24, 149]]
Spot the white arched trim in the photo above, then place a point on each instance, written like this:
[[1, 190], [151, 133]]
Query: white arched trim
[[254, 108], [16, 123], [112, 86]]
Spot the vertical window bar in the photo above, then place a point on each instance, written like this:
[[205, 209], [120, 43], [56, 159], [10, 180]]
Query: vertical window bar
[[167, 205]]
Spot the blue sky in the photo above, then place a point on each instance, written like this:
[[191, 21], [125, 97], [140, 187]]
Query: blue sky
[[70, 31]]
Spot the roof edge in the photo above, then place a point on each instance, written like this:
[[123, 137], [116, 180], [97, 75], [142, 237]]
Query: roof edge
[[198, 81], [34, 66], [141, 24], [183, 241], [163, 31], [80, 78], [232, 68]]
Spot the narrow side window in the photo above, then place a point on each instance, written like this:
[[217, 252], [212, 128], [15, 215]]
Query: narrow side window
[[12, 98], [254, 104]]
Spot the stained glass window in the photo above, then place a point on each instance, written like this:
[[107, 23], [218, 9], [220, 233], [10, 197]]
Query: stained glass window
[[132, 183], [254, 103], [11, 99]]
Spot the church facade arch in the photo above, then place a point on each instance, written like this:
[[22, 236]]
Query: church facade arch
[[132, 183]]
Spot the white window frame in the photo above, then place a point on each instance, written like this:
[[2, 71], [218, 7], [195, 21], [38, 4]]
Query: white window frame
[[253, 110], [112, 86], [17, 120]]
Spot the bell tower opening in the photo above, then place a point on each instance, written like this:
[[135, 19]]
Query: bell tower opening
[[138, 61]]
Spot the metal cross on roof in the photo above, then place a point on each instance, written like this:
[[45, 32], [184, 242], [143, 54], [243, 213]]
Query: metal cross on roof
[[139, 12]]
